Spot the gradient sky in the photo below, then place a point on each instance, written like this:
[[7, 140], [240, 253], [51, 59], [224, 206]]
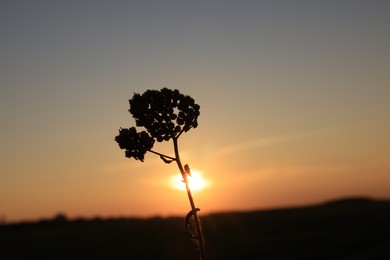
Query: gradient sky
[[294, 96]]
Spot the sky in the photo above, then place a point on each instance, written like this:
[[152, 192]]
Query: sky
[[294, 98]]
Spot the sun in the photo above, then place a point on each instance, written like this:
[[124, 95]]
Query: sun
[[196, 181]]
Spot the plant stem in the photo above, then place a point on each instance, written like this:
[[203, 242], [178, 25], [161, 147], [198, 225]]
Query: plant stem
[[185, 179], [163, 155]]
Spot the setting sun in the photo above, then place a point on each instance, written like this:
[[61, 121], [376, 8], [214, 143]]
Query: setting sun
[[196, 181]]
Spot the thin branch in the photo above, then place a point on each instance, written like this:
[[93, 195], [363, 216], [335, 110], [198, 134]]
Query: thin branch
[[179, 133], [163, 155]]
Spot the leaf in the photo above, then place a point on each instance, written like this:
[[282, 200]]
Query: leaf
[[168, 161]]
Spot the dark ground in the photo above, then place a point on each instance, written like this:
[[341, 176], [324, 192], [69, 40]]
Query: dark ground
[[344, 229]]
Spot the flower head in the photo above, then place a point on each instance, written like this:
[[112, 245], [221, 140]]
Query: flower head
[[164, 113], [136, 144]]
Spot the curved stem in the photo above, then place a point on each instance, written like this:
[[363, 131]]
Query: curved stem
[[193, 208]]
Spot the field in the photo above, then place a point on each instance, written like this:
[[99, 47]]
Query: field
[[345, 229]]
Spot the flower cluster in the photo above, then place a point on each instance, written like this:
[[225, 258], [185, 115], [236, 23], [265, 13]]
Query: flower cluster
[[136, 144], [165, 114]]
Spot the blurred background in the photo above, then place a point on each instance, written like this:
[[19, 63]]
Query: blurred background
[[294, 96]]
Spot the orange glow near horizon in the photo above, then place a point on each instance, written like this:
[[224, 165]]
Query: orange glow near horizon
[[196, 181]]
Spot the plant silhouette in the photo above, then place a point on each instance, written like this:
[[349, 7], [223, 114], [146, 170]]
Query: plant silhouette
[[165, 114]]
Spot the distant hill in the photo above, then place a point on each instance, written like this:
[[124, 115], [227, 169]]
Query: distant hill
[[354, 228]]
